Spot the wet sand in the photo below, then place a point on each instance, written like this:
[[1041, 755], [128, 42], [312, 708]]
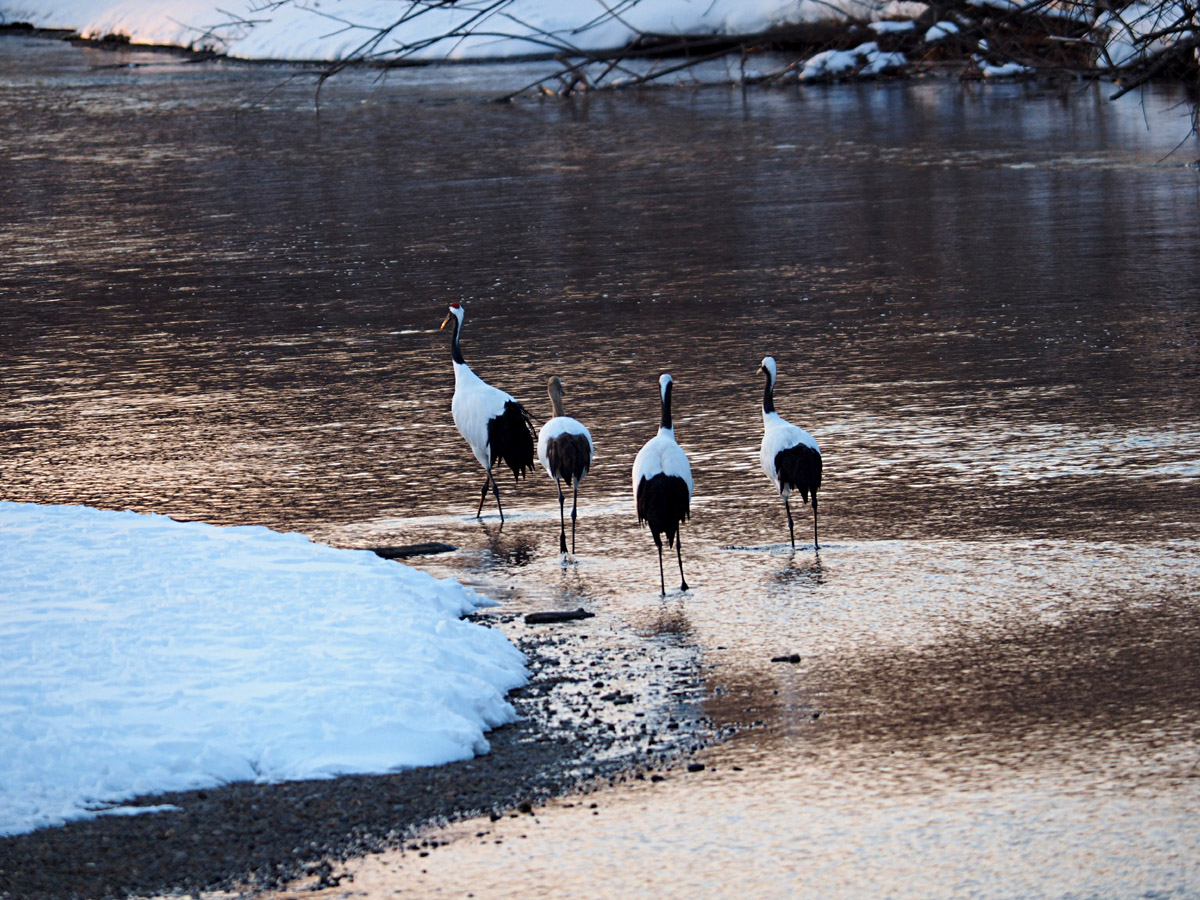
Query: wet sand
[[941, 754]]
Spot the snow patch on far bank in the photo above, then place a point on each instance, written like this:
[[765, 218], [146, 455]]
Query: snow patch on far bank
[[1126, 33], [307, 30], [865, 59]]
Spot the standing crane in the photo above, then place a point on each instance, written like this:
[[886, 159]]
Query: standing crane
[[662, 485], [493, 423]]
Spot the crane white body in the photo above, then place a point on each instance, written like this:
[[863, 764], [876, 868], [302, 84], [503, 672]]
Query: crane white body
[[474, 405], [560, 426], [779, 435], [662, 455]]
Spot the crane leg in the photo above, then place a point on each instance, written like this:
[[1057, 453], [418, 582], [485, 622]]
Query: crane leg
[[562, 522], [679, 556], [816, 546], [496, 492], [487, 480], [574, 505], [791, 528], [662, 582]]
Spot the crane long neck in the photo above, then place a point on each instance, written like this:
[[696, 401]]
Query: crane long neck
[[768, 397], [556, 403], [455, 349], [666, 408]]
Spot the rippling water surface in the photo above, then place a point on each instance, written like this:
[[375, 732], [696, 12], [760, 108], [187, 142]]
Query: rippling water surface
[[984, 300]]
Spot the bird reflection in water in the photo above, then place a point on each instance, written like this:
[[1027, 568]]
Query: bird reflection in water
[[796, 574], [508, 551], [669, 622]]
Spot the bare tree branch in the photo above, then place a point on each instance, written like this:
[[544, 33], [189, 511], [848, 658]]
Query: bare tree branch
[[1046, 36]]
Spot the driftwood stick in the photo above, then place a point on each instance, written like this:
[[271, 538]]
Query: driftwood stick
[[547, 618], [405, 551]]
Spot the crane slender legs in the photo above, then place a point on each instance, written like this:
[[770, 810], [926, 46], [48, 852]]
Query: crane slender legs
[[574, 504], [791, 528], [562, 515], [483, 496], [816, 546], [679, 555], [662, 581], [562, 522]]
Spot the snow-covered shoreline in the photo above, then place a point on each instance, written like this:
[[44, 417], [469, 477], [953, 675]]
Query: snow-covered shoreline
[[140, 655], [413, 31], [312, 31]]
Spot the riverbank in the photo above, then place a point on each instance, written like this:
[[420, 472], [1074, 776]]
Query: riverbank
[[586, 50], [574, 731]]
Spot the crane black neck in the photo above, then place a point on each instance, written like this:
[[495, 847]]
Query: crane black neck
[[769, 396], [455, 350], [666, 406]]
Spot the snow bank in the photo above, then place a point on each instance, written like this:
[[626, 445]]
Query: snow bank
[[1123, 32], [865, 59], [314, 30], [892, 27], [939, 31], [1071, 10], [1002, 70], [485, 29], [139, 654]]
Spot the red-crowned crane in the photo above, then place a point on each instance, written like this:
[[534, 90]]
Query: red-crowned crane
[[495, 424], [565, 449], [790, 456], [662, 485]]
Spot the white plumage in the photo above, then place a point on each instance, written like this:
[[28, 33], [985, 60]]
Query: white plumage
[[475, 404], [557, 427], [661, 454], [789, 455], [565, 450], [494, 424], [662, 485]]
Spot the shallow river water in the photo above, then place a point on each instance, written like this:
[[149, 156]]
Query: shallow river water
[[984, 300]]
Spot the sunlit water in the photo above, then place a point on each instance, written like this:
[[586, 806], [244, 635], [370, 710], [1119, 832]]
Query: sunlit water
[[985, 304]]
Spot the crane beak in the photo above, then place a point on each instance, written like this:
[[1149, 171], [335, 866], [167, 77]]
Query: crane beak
[[446, 321], [759, 370]]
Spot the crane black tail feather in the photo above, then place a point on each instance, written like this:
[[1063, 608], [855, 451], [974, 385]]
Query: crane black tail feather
[[799, 468], [511, 438], [663, 503]]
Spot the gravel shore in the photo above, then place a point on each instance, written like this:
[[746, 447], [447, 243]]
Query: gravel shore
[[597, 705]]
